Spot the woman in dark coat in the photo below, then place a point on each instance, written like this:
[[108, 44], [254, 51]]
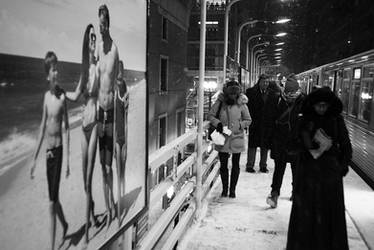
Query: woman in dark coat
[[317, 218]]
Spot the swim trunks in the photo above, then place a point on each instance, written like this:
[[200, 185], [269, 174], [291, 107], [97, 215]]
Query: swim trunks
[[105, 133], [54, 164]]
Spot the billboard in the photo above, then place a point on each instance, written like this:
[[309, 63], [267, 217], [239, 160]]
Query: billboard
[[95, 78]]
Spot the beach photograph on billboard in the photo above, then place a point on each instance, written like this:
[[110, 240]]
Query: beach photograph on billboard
[[73, 117]]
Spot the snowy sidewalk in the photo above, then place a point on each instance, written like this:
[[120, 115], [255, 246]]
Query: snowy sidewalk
[[247, 222]]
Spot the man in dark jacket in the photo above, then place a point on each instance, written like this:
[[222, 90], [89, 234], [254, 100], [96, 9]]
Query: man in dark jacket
[[262, 102], [285, 136]]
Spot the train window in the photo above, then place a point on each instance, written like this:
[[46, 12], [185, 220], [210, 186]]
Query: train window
[[368, 71], [354, 98], [346, 73], [367, 92], [357, 73], [345, 94], [346, 88], [328, 79]]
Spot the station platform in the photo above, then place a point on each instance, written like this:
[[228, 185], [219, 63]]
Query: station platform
[[247, 222]]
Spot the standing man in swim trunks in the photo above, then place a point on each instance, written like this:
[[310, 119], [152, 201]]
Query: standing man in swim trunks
[[121, 104], [108, 70], [54, 124]]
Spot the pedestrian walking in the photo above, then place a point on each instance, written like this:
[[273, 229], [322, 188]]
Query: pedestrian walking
[[230, 116], [262, 101], [317, 218], [285, 146]]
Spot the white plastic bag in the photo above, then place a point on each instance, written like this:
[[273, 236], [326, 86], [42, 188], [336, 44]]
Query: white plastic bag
[[217, 138], [227, 131]]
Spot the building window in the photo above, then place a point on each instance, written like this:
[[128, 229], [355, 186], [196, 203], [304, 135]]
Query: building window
[[162, 123], [164, 29], [163, 74]]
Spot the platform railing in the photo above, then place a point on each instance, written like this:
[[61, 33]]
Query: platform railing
[[182, 207]]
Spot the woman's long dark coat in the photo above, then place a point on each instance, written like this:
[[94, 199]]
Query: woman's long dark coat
[[263, 115], [317, 218]]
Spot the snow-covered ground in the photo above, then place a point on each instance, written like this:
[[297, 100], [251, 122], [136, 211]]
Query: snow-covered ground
[[247, 222]]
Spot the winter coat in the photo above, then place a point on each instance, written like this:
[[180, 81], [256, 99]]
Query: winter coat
[[236, 117], [285, 140], [317, 218], [262, 114]]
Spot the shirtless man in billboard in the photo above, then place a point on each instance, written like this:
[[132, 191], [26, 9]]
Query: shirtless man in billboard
[[108, 68]]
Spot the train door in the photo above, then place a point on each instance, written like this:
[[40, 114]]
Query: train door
[[366, 95], [310, 83], [354, 98], [338, 84], [328, 79], [346, 84]]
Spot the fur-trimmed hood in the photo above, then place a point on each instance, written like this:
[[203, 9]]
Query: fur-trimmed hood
[[242, 99], [323, 95]]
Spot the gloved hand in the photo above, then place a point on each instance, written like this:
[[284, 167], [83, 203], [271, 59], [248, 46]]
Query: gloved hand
[[219, 127]]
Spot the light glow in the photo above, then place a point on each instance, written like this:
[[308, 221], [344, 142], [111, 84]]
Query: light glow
[[170, 192], [210, 22], [366, 96], [281, 34], [278, 49], [210, 85], [278, 44], [283, 20]]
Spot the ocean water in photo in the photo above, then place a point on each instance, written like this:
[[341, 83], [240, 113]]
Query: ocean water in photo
[[22, 87]]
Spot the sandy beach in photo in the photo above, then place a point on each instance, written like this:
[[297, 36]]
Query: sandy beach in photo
[[24, 202]]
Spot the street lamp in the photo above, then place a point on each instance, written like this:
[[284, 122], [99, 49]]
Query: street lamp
[[226, 38], [247, 59], [258, 60], [251, 58], [254, 71], [251, 23], [247, 49]]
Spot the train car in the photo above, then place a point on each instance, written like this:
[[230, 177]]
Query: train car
[[352, 79]]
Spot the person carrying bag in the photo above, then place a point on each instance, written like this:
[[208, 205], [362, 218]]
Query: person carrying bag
[[233, 116]]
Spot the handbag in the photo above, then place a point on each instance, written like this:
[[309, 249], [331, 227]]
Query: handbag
[[211, 127]]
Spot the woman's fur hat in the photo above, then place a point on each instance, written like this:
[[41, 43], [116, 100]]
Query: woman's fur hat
[[232, 87]]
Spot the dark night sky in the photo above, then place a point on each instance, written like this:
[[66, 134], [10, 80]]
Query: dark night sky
[[320, 32]]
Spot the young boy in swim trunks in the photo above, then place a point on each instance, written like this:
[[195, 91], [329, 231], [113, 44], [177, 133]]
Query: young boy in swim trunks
[[54, 124]]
